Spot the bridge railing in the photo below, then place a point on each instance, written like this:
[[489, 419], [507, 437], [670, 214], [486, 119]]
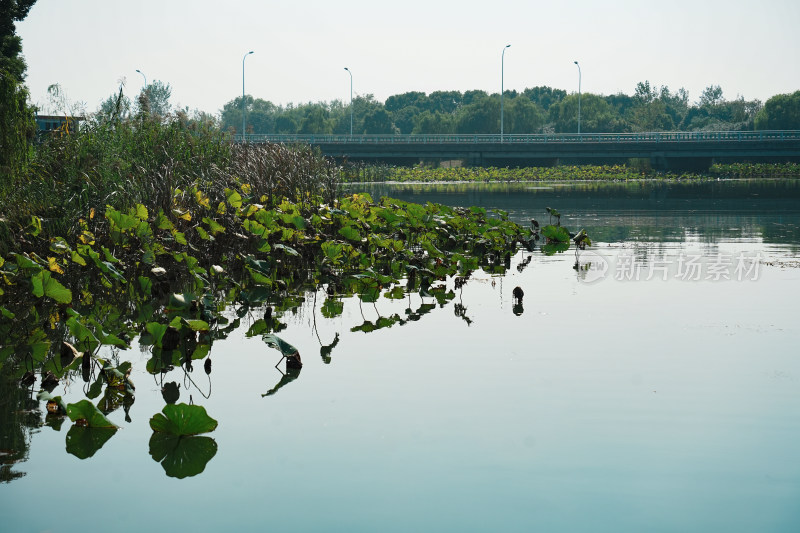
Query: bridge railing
[[657, 137]]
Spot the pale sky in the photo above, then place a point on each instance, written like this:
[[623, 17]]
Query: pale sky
[[749, 48]]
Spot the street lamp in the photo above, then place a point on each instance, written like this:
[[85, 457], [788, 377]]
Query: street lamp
[[502, 69], [145, 78], [351, 100], [244, 110], [579, 98]]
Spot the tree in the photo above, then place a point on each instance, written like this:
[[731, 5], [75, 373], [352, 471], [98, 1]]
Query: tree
[[781, 112], [404, 119], [261, 115], [115, 107], [285, 124], [16, 118], [434, 123], [653, 108], [363, 106], [315, 120], [197, 120], [643, 94], [651, 116], [544, 96], [481, 116], [443, 101], [378, 121], [471, 96], [16, 126], [712, 95], [157, 99], [522, 116], [621, 102], [11, 60], [401, 101], [597, 115]]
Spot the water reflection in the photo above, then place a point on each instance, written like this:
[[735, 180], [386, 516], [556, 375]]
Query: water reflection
[[20, 415], [648, 211], [291, 374]]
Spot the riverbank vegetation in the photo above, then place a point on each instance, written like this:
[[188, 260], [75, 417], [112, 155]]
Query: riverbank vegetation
[[127, 219], [562, 173]]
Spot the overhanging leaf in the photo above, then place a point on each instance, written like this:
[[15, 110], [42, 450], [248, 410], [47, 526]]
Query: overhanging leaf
[[55, 290], [182, 419], [556, 233], [86, 410], [273, 341]]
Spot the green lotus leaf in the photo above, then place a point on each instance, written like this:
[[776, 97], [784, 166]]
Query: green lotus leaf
[[195, 325], [288, 249], [86, 410], [39, 345], [157, 331], [182, 419], [273, 341], [233, 198], [556, 233], [332, 250], [85, 339], [146, 284], [350, 233], [213, 225]]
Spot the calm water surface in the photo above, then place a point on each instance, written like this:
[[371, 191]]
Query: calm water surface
[[655, 389]]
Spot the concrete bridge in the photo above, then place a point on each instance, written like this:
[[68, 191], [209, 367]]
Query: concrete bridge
[[664, 150]]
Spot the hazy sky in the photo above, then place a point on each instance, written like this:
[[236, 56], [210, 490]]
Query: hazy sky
[[749, 48]]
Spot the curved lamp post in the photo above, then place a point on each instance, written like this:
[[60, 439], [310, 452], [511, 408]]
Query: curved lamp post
[[351, 100], [502, 69], [579, 98], [145, 78], [244, 109]]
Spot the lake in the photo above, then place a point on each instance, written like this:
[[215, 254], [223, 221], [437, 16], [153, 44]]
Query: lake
[[654, 388]]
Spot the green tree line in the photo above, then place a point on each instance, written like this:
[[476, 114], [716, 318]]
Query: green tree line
[[535, 110]]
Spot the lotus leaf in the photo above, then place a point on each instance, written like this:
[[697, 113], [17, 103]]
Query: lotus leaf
[[273, 341], [86, 410], [182, 419], [556, 233]]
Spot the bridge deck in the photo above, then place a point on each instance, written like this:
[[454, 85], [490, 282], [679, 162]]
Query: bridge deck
[[664, 149]]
